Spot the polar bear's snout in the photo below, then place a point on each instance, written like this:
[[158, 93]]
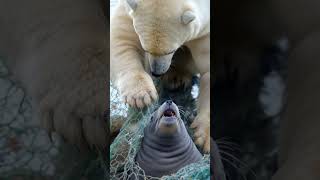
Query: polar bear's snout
[[159, 64]]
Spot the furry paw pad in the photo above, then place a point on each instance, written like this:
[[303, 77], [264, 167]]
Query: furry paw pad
[[138, 91]]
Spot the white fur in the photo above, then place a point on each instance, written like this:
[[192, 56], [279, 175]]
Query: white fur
[[271, 96]]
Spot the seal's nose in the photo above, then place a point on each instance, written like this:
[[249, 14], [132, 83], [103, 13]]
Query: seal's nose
[[169, 102]]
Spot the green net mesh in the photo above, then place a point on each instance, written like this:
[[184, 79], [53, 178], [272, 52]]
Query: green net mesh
[[127, 143]]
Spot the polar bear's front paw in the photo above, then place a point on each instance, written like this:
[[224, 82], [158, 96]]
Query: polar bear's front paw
[[138, 90], [201, 124]]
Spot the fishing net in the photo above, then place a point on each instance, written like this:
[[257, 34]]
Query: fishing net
[[127, 143]]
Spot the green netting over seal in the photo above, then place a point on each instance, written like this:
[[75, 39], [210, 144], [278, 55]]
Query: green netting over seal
[[126, 145]]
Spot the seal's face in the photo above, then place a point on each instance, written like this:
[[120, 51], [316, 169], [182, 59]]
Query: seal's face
[[167, 119], [165, 138]]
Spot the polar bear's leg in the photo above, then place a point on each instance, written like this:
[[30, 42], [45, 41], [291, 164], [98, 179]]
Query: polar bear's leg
[[127, 72], [200, 50], [202, 121], [61, 61]]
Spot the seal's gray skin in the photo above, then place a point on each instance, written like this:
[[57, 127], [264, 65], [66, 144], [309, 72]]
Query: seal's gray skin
[[166, 146]]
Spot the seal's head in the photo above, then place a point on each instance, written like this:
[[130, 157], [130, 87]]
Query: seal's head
[[166, 119], [166, 146]]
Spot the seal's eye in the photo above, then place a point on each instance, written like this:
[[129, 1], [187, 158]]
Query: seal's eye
[[169, 113]]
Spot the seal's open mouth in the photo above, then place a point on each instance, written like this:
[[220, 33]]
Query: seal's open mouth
[[169, 117], [169, 113]]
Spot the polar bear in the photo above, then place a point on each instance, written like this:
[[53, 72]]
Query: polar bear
[[144, 36], [58, 51]]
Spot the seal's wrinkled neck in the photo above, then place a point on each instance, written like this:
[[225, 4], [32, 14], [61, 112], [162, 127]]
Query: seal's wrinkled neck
[[169, 131], [165, 140]]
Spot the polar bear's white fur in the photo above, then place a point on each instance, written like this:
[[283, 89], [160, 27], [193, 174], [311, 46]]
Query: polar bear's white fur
[[144, 36], [58, 51]]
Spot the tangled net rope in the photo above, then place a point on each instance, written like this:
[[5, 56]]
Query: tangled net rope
[[127, 143]]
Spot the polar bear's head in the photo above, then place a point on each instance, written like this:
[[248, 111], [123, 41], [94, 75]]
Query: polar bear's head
[[163, 26]]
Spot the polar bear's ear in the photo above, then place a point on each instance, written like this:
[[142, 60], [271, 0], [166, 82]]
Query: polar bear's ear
[[133, 4], [187, 17]]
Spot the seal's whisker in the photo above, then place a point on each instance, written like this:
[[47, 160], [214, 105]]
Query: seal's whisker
[[183, 112], [233, 157], [225, 147], [231, 144], [224, 141], [180, 107], [239, 161], [234, 166]]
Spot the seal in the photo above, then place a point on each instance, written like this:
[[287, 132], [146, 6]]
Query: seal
[[166, 146]]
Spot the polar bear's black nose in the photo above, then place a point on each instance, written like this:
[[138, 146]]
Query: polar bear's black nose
[[159, 65], [155, 75]]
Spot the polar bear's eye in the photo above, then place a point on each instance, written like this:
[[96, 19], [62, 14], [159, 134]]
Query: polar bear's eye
[[162, 54], [187, 17], [170, 52]]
